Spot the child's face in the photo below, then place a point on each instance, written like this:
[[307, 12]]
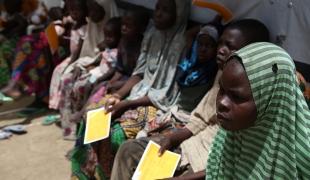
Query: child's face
[[206, 48], [129, 27], [230, 41], [95, 12], [111, 37], [236, 109], [165, 14]]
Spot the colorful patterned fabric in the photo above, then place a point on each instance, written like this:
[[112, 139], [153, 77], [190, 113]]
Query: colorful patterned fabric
[[133, 121], [6, 57], [55, 96], [277, 145], [32, 67]]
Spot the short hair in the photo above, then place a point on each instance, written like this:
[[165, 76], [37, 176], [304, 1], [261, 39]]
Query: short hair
[[252, 29]]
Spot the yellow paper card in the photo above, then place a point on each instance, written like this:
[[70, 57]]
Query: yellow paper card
[[97, 125], [152, 167]]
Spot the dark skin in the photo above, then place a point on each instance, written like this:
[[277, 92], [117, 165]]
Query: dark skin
[[235, 106], [206, 48], [112, 36], [130, 27], [165, 14], [95, 12], [230, 41], [131, 30], [165, 17], [76, 11]]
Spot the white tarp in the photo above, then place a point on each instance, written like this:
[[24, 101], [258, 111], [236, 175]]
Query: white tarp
[[287, 20]]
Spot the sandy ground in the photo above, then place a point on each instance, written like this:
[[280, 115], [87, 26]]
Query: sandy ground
[[37, 155]]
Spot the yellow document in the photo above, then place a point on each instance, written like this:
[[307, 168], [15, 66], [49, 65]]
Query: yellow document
[[97, 125], [152, 167]]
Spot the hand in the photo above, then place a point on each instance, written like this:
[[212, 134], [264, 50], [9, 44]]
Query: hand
[[112, 101], [165, 144], [118, 109]]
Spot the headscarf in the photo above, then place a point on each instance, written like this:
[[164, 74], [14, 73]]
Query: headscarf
[[192, 73], [160, 54], [277, 145], [94, 32]]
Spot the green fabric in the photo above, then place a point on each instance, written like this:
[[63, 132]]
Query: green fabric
[[6, 57], [277, 146], [79, 158], [118, 136]]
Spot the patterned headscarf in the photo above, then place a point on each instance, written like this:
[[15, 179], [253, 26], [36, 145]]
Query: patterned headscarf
[[277, 146]]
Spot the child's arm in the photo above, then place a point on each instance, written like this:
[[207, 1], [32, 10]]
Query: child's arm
[[117, 76], [174, 140], [118, 109], [125, 90]]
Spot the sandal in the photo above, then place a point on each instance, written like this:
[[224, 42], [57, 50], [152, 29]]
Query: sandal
[[4, 98], [31, 111], [5, 135], [16, 129], [50, 119]]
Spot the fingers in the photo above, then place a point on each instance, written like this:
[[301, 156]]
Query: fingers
[[164, 145], [111, 102]]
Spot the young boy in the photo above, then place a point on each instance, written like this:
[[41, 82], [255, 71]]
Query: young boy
[[235, 36]]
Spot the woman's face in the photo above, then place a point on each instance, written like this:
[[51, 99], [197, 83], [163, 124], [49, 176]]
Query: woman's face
[[165, 14], [95, 12], [230, 41], [236, 109]]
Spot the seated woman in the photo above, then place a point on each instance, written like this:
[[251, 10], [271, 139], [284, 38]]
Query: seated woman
[[200, 128], [263, 116], [14, 27], [32, 68], [153, 80], [77, 14]]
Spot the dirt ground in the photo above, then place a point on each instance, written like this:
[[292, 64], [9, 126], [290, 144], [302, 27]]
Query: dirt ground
[[37, 155]]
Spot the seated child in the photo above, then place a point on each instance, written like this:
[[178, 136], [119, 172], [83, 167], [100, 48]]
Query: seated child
[[195, 76], [263, 116], [84, 84], [134, 23]]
